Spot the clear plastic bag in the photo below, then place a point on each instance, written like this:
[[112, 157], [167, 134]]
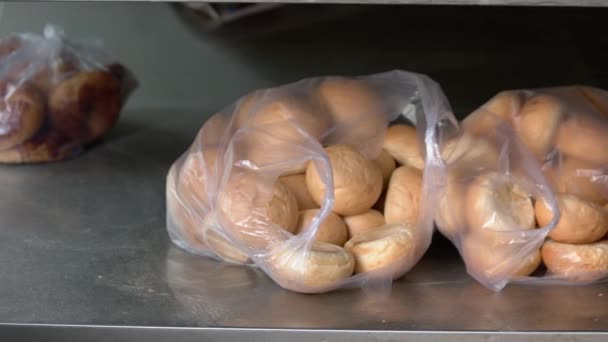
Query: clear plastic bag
[[231, 196], [548, 224], [56, 96]]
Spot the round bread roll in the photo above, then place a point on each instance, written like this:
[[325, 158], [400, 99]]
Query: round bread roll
[[484, 257], [361, 223], [310, 271], [358, 114], [505, 104], [390, 245], [49, 146], [401, 142], [85, 106], [585, 262], [576, 177], [213, 130], [538, 122], [293, 116], [403, 196], [580, 221], [584, 137], [597, 97], [495, 203], [225, 249], [502, 108], [249, 206], [197, 176], [449, 218], [357, 181], [466, 154], [331, 230], [52, 72], [21, 114], [297, 186], [191, 223], [387, 165]]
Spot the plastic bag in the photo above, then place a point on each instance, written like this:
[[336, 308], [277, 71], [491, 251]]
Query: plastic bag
[[56, 96], [550, 149], [232, 196]]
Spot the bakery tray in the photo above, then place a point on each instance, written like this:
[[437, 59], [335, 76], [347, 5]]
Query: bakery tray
[[85, 256]]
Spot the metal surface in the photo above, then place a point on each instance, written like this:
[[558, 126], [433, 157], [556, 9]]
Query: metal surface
[[85, 255]]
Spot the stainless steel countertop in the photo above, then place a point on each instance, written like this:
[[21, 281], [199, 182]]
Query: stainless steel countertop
[[85, 255]]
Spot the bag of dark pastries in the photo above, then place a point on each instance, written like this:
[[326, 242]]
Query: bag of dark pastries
[[56, 96]]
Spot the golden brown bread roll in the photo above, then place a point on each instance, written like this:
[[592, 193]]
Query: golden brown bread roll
[[466, 154], [49, 146], [580, 221], [584, 137], [297, 186], [493, 258], [403, 196], [401, 142], [309, 271], [358, 114], [357, 181], [450, 218], [367, 221], [494, 203], [212, 132], [387, 165], [197, 174], [85, 106], [251, 209], [538, 122], [21, 114], [505, 104], [501, 109], [53, 72], [597, 97], [331, 230], [575, 176], [584, 262], [392, 244], [191, 222]]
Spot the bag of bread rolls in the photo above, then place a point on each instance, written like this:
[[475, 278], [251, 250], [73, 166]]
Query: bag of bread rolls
[[304, 182], [56, 96], [553, 222]]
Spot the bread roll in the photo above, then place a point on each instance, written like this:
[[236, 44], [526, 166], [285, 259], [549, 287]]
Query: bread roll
[[21, 114], [387, 165], [584, 137], [86, 105], [450, 218], [191, 223], [361, 223], [586, 262], [505, 104], [197, 176], [297, 186], [49, 146], [249, 206], [403, 196], [331, 230], [357, 181], [468, 154], [213, 130], [576, 177], [309, 271], [401, 142], [494, 258], [597, 97], [495, 203], [580, 221], [358, 114], [501, 109], [538, 122], [390, 245]]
